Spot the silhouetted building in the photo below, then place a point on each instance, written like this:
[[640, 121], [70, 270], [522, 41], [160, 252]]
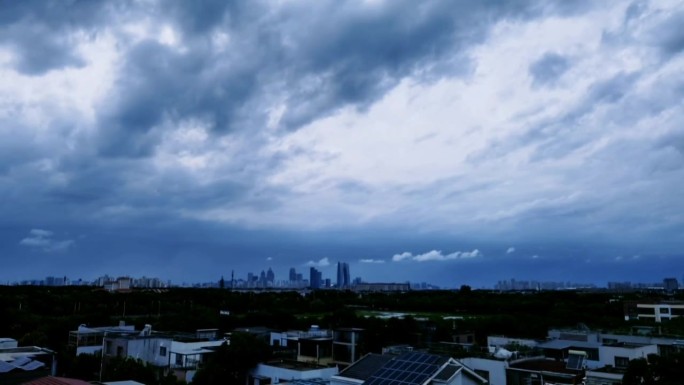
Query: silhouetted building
[[670, 285], [315, 278], [343, 280]]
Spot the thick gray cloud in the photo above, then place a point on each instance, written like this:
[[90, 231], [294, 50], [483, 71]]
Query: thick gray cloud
[[230, 132]]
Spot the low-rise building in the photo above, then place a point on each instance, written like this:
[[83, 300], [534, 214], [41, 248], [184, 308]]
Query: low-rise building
[[26, 363], [413, 368], [289, 371], [604, 376], [152, 349], [374, 287], [659, 312], [187, 357], [89, 340], [541, 371]]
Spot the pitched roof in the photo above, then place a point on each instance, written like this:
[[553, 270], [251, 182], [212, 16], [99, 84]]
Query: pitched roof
[[56, 381], [447, 372], [366, 366]]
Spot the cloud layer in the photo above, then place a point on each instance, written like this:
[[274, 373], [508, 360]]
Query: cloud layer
[[167, 130], [44, 240], [436, 255]]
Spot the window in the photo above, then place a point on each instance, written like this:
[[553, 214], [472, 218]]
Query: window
[[162, 351], [621, 362]]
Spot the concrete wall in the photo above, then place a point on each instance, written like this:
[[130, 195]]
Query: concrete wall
[[149, 350], [496, 368], [503, 341], [607, 354], [278, 374]]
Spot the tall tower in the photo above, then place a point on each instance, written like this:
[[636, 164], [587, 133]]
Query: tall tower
[[345, 274], [270, 276], [342, 275], [314, 278]]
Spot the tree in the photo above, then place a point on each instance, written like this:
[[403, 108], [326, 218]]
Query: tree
[[655, 370], [232, 362]]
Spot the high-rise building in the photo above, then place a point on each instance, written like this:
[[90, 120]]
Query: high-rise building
[[670, 284], [343, 275], [270, 276], [315, 278], [293, 274]]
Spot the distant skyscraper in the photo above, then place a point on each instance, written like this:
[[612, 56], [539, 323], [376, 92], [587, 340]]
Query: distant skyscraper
[[293, 274], [670, 284], [315, 278], [270, 276], [342, 275]]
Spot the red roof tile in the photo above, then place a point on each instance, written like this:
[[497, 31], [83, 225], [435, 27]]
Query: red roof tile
[[56, 381]]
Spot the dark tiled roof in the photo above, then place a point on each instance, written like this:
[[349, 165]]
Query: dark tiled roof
[[446, 373], [366, 366]]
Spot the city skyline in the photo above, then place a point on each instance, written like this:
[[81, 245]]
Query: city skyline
[[452, 143]]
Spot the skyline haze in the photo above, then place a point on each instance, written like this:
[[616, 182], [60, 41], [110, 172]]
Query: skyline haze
[[446, 142]]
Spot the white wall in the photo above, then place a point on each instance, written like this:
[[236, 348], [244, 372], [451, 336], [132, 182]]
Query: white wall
[[496, 368], [279, 374], [607, 354], [148, 350]]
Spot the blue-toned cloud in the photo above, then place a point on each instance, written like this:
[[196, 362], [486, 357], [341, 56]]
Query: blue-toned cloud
[[549, 68], [208, 132], [323, 262], [44, 240], [436, 255], [370, 260]]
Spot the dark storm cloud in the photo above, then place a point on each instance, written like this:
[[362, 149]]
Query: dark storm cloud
[[549, 68], [43, 34], [110, 188], [313, 59]]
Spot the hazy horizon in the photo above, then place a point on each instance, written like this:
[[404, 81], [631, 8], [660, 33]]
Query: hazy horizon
[[447, 142]]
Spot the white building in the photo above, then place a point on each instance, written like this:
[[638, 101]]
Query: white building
[[287, 371], [660, 312], [186, 357], [152, 349], [88, 340]]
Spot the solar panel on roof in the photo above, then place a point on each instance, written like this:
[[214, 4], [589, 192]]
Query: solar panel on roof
[[5, 367], [407, 369], [33, 365], [20, 361]]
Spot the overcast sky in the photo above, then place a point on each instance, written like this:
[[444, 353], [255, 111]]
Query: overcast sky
[[443, 141]]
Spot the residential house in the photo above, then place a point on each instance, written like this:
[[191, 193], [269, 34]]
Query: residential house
[[412, 368], [288, 371]]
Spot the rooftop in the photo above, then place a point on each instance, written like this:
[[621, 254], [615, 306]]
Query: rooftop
[[295, 365], [564, 344], [543, 365], [366, 366], [448, 372], [56, 381]]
